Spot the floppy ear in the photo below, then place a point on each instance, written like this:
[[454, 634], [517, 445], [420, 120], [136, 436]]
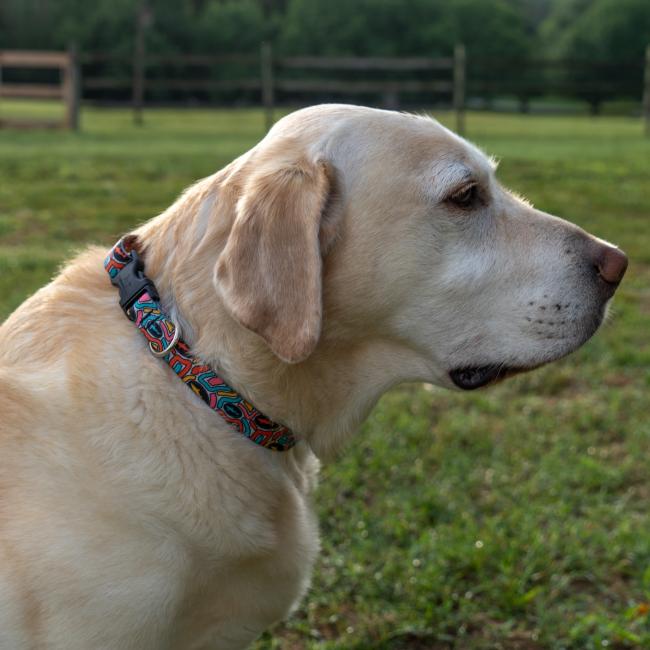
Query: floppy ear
[[269, 274]]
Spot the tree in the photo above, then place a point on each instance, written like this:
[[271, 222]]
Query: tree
[[235, 26], [605, 43]]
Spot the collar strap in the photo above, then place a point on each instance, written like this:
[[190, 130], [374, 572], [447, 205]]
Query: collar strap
[[141, 304]]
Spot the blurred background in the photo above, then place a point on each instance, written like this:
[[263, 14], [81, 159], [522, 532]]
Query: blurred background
[[516, 517], [523, 55]]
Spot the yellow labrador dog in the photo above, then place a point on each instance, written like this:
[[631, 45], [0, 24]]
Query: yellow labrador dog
[[350, 250]]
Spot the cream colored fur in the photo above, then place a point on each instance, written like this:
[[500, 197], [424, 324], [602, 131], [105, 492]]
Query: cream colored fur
[[316, 271]]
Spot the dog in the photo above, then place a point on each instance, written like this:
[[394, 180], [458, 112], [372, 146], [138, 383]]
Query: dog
[[350, 250]]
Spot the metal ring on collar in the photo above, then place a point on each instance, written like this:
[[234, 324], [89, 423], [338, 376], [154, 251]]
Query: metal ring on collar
[[170, 347]]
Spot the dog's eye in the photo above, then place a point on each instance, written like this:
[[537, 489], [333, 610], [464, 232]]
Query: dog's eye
[[466, 197]]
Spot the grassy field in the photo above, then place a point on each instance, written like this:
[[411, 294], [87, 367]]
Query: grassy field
[[515, 518]]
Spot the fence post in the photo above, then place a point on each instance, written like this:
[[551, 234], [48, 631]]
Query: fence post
[[266, 63], [142, 21], [459, 87], [646, 92], [72, 88]]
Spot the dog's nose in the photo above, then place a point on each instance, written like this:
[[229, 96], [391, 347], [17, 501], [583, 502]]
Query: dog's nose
[[610, 262]]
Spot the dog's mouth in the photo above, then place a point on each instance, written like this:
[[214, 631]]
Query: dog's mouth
[[472, 377]]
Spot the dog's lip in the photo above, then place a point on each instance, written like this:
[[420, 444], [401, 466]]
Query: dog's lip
[[473, 377]]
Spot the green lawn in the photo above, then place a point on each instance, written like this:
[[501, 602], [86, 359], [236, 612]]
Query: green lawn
[[517, 517]]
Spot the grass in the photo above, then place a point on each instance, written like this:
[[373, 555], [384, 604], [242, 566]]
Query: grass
[[513, 518]]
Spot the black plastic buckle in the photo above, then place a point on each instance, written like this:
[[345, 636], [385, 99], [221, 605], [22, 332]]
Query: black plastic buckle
[[132, 283]]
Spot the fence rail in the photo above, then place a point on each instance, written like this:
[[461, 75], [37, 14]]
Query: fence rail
[[33, 59], [354, 87], [366, 63], [32, 91]]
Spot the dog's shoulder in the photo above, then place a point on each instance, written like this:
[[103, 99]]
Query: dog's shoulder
[[45, 325]]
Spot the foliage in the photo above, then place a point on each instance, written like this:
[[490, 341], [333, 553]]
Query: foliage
[[227, 27], [364, 27], [513, 518], [605, 39]]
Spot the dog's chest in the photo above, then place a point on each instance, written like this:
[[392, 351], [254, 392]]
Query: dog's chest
[[250, 541], [228, 605]]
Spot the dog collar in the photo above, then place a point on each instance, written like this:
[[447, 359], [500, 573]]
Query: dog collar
[[140, 301]]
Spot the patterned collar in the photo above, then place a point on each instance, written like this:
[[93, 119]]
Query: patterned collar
[[141, 304]]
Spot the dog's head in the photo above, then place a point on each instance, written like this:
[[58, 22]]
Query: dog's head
[[356, 223]]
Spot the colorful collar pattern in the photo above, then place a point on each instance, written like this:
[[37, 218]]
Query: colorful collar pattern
[[141, 304]]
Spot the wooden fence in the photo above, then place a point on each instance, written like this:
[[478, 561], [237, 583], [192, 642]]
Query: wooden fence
[[389, 89], [233, 79], [393, 77], [386, 81], [67, 89]]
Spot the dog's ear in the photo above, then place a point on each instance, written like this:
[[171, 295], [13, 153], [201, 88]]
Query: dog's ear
[[269, 274]]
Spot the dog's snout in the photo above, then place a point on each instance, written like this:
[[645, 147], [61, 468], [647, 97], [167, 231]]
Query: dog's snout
[[610, 263]]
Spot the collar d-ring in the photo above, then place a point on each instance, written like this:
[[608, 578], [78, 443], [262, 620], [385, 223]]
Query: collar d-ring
[[168, 348]]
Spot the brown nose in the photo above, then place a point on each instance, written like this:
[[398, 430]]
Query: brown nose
[[611, 263]]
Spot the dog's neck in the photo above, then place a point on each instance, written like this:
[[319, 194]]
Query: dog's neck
[[323, 399]]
